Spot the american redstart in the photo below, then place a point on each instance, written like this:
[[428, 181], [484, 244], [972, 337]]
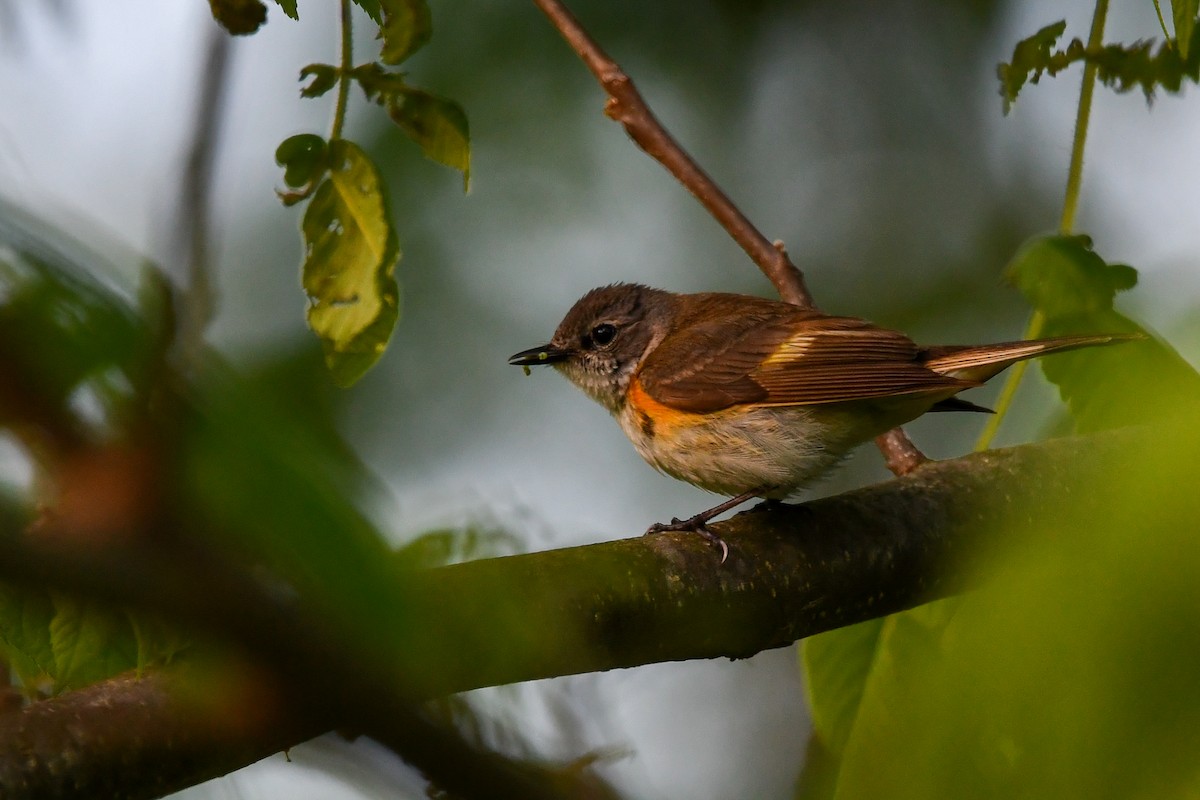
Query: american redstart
[[750, 397]]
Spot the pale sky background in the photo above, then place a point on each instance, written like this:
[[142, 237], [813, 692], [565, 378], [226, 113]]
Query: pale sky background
[[95, 110]]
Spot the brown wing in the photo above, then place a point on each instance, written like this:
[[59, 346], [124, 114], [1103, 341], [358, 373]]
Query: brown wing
[[788, 357]]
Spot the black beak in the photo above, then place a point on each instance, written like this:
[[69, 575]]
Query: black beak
[[546, 354]]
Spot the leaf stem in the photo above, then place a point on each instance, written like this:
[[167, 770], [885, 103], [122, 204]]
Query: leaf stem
[[1075, 173], [1066, 223], [347, 60]]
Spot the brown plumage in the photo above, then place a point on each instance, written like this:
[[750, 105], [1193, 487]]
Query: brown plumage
[[745, 396]]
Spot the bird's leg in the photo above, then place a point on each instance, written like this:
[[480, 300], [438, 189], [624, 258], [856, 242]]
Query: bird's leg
[[699, 523]]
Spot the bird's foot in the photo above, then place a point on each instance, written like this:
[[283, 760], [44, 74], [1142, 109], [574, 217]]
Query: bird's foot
[[698, 525]]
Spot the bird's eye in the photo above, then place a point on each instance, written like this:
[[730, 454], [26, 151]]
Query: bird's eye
[[603, 333]]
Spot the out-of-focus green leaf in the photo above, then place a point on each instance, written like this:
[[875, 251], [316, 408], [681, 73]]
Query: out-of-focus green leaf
[[1031, 57], [324, 77], [848, 673], [62, 336], [90, 643], [838, 664], [1074, 289], [1063, 275], [407, 26], [289, 8], [239, 17], [304, 158], [351, 254], [1184, 13], [1119, 66], [25, 637], [1071, 671], [438, 125]]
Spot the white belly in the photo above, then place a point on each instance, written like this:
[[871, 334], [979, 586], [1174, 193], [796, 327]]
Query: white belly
[[772, 450]]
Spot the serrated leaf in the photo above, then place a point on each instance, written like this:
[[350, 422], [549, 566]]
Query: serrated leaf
[[372, 9], [25, 617], [1031, 56], [239, 17], [351, 253], [1184, 13], [1121, 67], [324, 77], [407, 26], [1062, 275], [289, 8], [90, 643], [438, 125]]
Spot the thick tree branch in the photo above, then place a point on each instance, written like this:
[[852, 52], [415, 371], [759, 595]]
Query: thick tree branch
[[793, 571]]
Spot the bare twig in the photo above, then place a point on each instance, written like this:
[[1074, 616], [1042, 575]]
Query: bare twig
[[625, 105]]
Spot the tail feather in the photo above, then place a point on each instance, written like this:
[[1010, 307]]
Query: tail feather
[[979, 363]]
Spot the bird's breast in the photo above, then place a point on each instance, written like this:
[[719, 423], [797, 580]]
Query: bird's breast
[[739, 449]]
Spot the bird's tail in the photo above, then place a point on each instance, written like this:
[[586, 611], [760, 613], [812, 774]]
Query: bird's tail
[[981, 362]]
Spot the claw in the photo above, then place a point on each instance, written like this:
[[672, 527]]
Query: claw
[[693, 525]]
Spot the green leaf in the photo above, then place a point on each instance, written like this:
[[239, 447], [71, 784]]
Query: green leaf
[[1062, 275], [289, 8], [25, 617], [1184, 12], [838, 664], [435, 123], [1031, 55], [372, 9], [304, 158], [848, 673], [239, 17], [406, 28], [351, 253], [1070, 670], [324, 77], [1074, 290], [90, 643], [438, 125], [1119, 66]]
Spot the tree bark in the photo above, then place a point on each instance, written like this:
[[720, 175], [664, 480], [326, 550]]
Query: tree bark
[[793, 571]]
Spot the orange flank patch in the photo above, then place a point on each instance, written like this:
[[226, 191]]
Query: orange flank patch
[[662, 417]]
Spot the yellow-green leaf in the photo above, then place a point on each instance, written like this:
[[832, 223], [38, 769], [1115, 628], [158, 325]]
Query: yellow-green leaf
[[406, 28], [438, 125], [351, 252], [1184, 14]]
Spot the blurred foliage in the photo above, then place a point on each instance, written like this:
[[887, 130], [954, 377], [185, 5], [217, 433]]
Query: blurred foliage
[[1119, 66], [966, 696], [1071, 674], [78, 369], [125, 453], [1073, 288]]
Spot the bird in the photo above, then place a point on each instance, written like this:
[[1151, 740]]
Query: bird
[[754, 398]]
